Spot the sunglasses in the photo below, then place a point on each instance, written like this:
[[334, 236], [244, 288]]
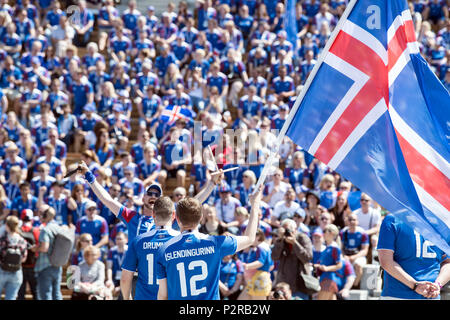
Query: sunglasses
[[364, 200], [153, 194], [324, 219]]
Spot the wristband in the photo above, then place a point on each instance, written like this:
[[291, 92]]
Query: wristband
[[89, 176], [415, 286], [439, 284]]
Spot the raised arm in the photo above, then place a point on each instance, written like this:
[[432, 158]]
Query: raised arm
[[250, 231], [103, 195], [209, 187]]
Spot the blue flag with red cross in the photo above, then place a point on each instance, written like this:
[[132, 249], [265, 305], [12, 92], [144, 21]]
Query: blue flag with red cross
[[375, 112]]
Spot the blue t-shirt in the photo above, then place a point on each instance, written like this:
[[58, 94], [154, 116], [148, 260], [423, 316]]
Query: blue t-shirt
[[417, 256], [141, 256], [328, 257], [116, 258], [261, 253], [191, 262]]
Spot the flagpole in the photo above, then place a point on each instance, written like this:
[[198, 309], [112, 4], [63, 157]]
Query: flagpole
[[303, 92]]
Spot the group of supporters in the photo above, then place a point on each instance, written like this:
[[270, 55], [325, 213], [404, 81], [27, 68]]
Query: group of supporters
[[87, 78]]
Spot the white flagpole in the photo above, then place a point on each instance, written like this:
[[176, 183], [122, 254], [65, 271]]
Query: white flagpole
[[298, 101]]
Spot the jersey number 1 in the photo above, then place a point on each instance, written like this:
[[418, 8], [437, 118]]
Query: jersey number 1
[[192, 282]]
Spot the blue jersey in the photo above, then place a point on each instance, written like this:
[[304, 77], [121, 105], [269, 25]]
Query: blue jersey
[[417, 256], [191, 262], [141, 257], [330, 256], [136, 223], [261, 253], [116, 258]]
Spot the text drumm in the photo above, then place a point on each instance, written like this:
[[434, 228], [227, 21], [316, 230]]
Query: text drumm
[[239, 309]]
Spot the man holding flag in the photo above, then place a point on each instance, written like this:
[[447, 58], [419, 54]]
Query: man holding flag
[[373, 111]]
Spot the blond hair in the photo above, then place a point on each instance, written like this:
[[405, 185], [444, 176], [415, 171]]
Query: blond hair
[[13, 224]]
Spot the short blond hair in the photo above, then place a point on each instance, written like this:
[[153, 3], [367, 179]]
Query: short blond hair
[[91, 250]]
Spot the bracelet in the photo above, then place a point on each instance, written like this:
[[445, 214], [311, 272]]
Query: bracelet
[[415, 286], [89, 176], [439, 284]]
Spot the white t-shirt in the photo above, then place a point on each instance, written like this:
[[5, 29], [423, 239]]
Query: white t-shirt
[[278, 196], [368, 220], [281, 211], [225, 212]]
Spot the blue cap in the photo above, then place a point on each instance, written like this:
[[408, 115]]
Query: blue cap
[[117, 107], [282, 33], [32, 79], [89, 107], [284, 107], [271, 98], [300, 212], [151, 8], [224, 188], [317, 231]]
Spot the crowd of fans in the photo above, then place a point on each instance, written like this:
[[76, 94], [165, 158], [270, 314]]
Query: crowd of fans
[[90, 79]]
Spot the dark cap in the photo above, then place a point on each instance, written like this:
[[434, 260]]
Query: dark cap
[[155, 187], [314, 193]]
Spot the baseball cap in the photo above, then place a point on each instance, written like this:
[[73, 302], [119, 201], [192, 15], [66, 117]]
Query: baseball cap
[[32, 79], [26, 215], [271, 98], [155, 186], [90, 204], [151, 8], [284, 107], [314, 193], [300, 213], [117, 107], [89, 107], [317, 232], [282, 33], [224, 188]]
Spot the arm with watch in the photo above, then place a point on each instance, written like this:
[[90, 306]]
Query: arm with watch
[[427, 289]]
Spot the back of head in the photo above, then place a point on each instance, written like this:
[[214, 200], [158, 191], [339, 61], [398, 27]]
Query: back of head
[[163, 209], [189, 212], [13, 224]]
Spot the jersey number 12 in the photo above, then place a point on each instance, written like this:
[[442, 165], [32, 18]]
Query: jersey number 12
[[192, 282]]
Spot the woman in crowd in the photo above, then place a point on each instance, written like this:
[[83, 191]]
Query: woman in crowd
[[257, 266], [92, 277], [82, 243], [13, 251], [103, 149], [211, 224], [246, 188], [329, 263], [231, 277], [340, 211]]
